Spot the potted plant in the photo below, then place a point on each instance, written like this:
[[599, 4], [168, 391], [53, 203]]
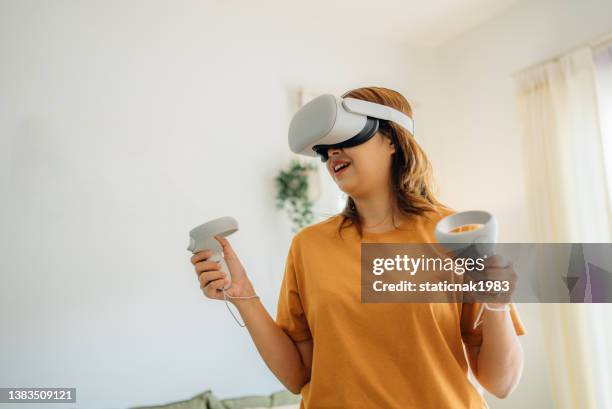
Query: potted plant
[[295, 191]]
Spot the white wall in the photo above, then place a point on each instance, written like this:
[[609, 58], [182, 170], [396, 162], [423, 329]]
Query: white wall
[[478, 147], [123, 125]]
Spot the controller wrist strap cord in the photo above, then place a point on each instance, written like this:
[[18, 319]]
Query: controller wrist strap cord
[[225, 298], [486, 306]]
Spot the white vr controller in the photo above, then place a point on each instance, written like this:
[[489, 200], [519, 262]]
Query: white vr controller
[[461, 230], [202, 237], [475, 228]]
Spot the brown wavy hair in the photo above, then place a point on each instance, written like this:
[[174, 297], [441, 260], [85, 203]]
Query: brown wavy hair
[[411, 179]]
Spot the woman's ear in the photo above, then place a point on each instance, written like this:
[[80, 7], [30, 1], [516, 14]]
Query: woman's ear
[[391, 145]]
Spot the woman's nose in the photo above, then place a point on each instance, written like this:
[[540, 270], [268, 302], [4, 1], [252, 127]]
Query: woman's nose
[[333, 151]]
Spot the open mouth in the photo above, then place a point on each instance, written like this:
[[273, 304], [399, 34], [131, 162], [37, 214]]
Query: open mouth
[[339, 168]]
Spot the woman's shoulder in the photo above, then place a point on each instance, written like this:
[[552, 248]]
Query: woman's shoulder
[[426, 222], [324, 228]]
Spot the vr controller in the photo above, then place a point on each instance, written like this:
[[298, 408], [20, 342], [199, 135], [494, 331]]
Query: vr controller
[[202, 237], [475, 228]]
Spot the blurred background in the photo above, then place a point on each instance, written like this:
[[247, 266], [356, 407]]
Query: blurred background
[[123, 124]]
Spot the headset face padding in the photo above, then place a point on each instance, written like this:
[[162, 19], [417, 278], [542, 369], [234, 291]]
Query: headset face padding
[[328, 121], [372, 125]]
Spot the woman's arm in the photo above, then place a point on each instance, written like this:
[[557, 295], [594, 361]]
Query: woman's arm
[[290, 362], [498, 362]]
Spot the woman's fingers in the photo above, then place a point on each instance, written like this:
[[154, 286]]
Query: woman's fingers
[[206, 277], [200, 256], [228, 251], [218, 284], [211, 279], [212, 283], [204, 266], [214, 289]]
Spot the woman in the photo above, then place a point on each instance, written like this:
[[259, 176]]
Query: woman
[[340, 353]]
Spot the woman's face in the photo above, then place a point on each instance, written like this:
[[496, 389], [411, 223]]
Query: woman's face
[[368, 166]]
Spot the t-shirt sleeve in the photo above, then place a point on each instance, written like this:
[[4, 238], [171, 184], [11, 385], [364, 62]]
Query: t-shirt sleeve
[[290, 312], [473, 337]]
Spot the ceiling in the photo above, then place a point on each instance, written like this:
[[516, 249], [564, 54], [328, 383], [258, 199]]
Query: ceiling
[[418, 23]]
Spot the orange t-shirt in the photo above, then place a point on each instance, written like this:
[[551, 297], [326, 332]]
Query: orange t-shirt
[[378, 355]]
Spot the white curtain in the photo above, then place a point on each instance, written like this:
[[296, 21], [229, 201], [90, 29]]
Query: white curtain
[[601, 318], [565, 156], [569, 201]]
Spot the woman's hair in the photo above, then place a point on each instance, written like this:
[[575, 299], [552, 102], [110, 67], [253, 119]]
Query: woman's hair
[[411, 175]]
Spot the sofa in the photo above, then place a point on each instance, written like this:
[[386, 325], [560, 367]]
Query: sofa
[[206, 400]]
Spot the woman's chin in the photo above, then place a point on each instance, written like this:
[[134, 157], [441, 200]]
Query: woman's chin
[[346, 186]]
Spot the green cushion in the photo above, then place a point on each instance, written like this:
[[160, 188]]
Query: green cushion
[[276, 399], [204, 400], [284, 398]]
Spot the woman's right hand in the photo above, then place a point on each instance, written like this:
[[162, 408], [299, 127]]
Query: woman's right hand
[[212, 280]]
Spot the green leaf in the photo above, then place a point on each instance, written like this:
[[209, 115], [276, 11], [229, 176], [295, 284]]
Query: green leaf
[[292, 193]]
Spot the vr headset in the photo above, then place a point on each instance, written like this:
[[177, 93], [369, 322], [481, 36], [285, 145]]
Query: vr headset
[[329, 121]]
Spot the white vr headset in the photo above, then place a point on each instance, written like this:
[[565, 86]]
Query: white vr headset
[[329, 121]]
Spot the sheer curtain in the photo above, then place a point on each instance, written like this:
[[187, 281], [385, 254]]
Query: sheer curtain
[[601, 322], [569, 200]]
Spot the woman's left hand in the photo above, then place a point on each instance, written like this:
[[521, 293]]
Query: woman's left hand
[[498, 280]]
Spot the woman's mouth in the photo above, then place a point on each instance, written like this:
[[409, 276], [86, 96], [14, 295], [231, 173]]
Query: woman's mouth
[[341, 167]]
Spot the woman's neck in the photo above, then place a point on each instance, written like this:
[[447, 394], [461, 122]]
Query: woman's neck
[[378, 213]]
